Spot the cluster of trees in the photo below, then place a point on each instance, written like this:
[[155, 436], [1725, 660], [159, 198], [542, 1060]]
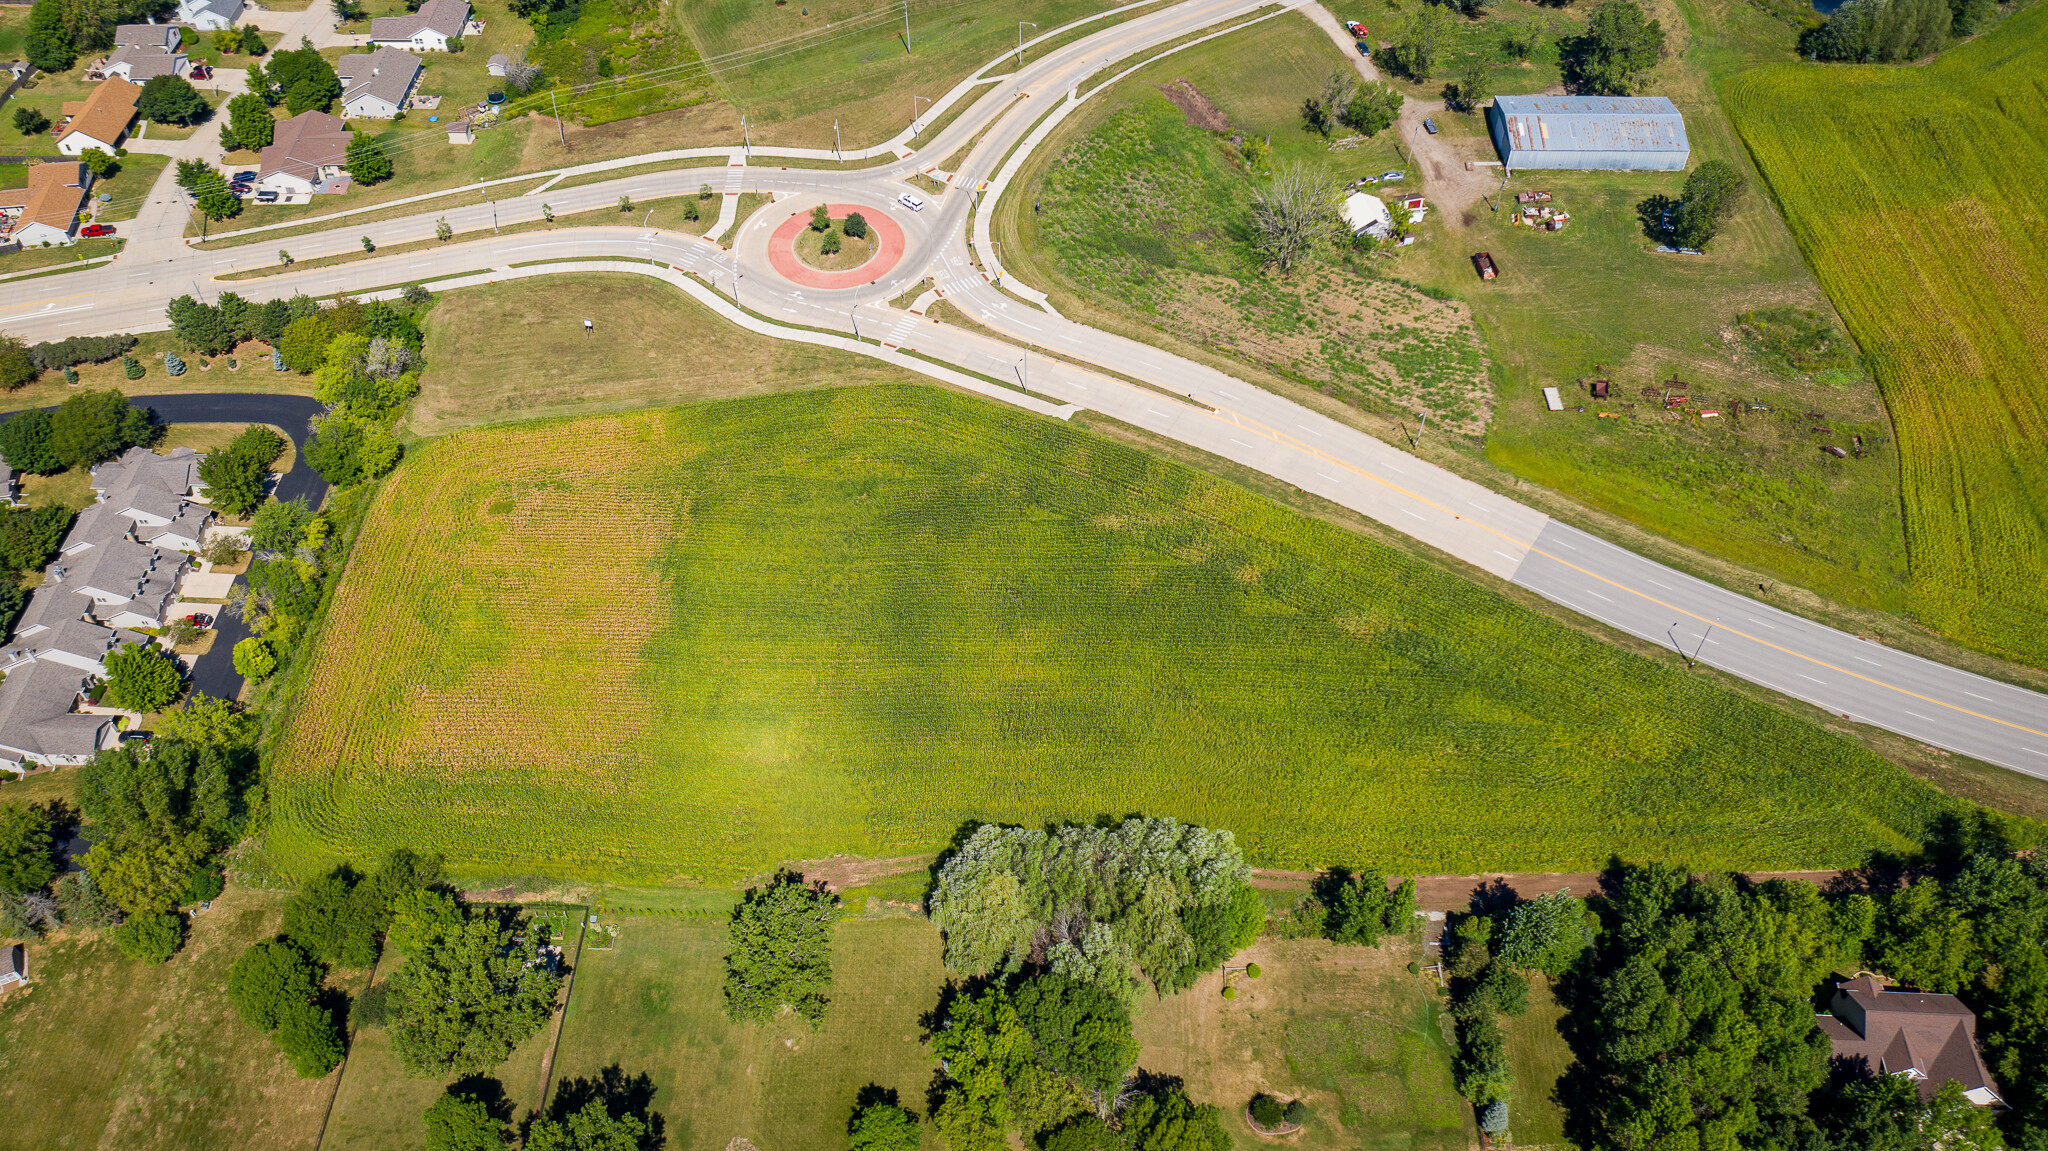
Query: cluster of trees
[[473, 986], [1417, 44], [1712, 192], [1052, 1058], [1888, 31], [365, 360], [609, 1113], [1487, 955], [294, 555], [234, 475], [89, 427], [550, 18], [299, 78], [1346, 906], [28, 540], [781, 951], [1616, 51], [278, 986], [156, 816], [1365, 108], [1692, 1013], [1092, 903], [20, 362], [59, 31]]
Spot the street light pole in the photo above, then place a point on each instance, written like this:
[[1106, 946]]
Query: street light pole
[[1020, 41], [836, 153], [913, 114]]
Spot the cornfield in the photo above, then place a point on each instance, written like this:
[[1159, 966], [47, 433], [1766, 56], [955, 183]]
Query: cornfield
[[702, 641], [1920, 196]]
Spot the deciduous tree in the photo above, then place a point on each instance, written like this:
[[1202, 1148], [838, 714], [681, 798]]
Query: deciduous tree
[[170, 100], [142, 678], [781, 951], [25, 860], [1620, 44]]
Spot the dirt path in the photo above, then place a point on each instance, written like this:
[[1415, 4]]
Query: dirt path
[[1454, 191], [1455, 892]]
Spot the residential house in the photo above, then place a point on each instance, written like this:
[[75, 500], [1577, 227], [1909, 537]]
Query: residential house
[[101, 119], [118, 571], [210, 15], [145, 51], [427, 30], [37, 724], [10, 483], [378, 85], [45, 212], [1928, 1038], [306, 156]]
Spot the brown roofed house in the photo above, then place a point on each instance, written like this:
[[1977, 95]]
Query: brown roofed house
[[1926, 1037], [44, 212], [306, 156], [101, 119]]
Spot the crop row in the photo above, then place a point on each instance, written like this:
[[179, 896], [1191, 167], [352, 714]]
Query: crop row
[[705, 641], [1918, 195]]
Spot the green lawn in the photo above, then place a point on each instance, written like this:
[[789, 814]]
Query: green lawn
[[1345, 1029], [1537, 1055], [651, 1006], [102, 1051], [847, 620]]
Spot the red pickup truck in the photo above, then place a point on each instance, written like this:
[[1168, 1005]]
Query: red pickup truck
[[1357, 29], [93, 230]]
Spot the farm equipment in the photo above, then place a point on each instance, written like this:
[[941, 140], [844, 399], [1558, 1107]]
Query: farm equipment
[[1543, 219], [1484, 262], [1532, 197]]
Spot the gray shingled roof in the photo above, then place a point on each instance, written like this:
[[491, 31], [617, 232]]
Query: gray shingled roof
[[444, 16], [386, 73], [35, 706], [145, 62], [157, 34]]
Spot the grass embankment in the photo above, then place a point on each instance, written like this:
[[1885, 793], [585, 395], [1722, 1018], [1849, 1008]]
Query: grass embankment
[[103, 1051], [508, 351], [845, 621], [1917, 193]]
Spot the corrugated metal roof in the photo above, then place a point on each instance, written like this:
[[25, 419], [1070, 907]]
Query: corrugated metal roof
[[1592, 123]]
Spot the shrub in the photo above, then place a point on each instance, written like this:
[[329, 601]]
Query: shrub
[[173, 364], [1493, 1119], [254, 661], [856, 225], [1268, 1111], [829, 246], [1252, 971], [64, 353], [1230, 993], [131, 367], [204, 885], [150, 938], [821, 220]]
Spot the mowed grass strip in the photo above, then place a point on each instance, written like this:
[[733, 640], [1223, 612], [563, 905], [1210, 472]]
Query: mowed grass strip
[[1918, 195], [702, 640]]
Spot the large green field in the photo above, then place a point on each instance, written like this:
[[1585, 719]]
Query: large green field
[[699, 641], [1918, 194]]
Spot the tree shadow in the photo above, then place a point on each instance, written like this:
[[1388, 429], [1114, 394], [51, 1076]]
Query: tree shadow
[[487, 1091], [1658, 215], [1494, 897], [875, 1095]]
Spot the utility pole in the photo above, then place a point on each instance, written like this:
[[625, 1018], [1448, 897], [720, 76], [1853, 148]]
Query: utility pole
[[906, 27], [1020, 41], [854, 315], [747, 134], [1421, 422], [556, 108]]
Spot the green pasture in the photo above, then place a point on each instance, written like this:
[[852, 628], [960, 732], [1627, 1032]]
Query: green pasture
[[699, 641], [1917, 193]]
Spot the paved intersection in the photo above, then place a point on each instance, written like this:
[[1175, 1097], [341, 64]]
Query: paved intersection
[[1189, 402]]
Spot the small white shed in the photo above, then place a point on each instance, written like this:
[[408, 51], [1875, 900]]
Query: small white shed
[[1367, 215]]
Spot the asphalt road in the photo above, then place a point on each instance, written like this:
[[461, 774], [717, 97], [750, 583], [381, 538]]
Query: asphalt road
[[1189, 402]]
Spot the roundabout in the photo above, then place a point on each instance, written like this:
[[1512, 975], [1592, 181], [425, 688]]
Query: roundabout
[[784, 258]]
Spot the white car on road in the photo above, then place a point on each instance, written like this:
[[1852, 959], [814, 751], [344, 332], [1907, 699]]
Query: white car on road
[[912, 201]]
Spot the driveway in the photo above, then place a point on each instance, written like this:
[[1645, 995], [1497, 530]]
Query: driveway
[[315, 23]]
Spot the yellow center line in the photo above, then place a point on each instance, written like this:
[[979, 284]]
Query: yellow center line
[[1284, 439]]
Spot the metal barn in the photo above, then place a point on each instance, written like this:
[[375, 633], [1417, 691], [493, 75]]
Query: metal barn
[[1589, 132]]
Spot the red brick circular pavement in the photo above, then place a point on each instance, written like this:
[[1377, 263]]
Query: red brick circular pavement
[[888, 249]]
